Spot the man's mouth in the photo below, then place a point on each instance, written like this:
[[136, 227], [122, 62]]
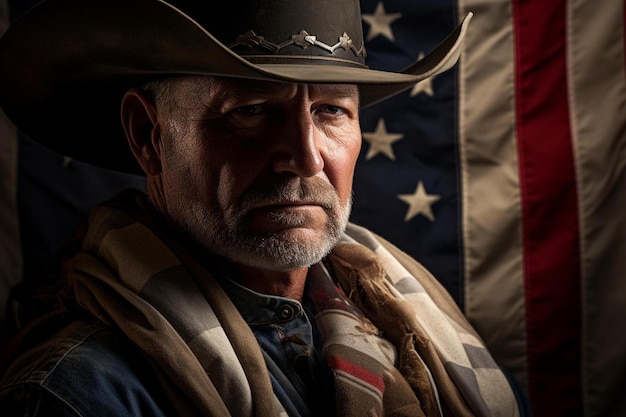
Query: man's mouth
[[286, 215]]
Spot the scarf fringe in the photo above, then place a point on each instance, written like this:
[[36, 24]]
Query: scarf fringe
[[390, 315]]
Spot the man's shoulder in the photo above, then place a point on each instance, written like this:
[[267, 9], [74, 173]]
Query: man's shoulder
[[85, 369]]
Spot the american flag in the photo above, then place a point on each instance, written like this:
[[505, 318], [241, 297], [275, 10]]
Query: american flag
[[505, 176]]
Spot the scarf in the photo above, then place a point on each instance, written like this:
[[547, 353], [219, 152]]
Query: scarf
[[397, 343]]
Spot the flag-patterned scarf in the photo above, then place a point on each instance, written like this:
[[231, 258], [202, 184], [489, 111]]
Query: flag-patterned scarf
[[396, 342], [413, 311]]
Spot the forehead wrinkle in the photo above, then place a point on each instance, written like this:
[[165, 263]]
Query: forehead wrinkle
[[235, 89], [238, 89], [223, 92], [215, 93]]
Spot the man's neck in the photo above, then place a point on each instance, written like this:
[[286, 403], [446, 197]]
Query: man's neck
[[288, 284]]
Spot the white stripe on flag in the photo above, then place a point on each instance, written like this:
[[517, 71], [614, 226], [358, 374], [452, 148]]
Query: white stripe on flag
[[494, 280], [597, 84]]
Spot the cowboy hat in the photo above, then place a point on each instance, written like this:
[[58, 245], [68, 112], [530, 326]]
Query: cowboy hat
[[66, 63]]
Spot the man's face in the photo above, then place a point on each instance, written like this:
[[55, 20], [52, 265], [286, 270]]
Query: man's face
[[258, 172]]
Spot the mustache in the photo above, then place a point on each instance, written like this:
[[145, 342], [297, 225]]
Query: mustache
[[288, 190]]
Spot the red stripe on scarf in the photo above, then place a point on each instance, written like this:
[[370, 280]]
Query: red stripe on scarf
[[362, 374]]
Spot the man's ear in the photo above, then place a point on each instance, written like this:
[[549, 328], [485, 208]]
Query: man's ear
[[139, 118]]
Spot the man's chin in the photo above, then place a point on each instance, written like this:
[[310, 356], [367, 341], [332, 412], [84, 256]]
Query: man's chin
[[298, 236], [285, 221], [284, 251]]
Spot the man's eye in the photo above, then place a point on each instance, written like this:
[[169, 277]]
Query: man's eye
[[249, 116], [250, 110], [329, 109]]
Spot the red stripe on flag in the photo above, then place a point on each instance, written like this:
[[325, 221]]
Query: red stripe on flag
[[550, 209], [371, 378]]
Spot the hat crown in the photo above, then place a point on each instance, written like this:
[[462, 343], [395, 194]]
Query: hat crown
[[284, 31]]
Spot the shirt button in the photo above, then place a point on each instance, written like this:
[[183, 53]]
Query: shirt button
[[286, 312]]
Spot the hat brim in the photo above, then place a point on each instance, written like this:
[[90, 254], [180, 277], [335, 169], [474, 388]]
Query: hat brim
[[65, 79]]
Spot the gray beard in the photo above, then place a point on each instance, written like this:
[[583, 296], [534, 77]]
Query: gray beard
[[228, 235]]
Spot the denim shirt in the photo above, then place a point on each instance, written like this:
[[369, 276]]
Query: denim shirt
[[87, 370], [291, 347], [91, 370]]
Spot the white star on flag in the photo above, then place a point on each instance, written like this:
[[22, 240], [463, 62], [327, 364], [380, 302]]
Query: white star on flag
[[380, 22], [419, 203], [424, 86], [380, 141]]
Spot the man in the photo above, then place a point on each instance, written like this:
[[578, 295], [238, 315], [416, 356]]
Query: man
[[237, 286]]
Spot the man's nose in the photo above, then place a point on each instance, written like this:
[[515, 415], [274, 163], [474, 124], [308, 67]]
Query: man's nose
[[299, 148]]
